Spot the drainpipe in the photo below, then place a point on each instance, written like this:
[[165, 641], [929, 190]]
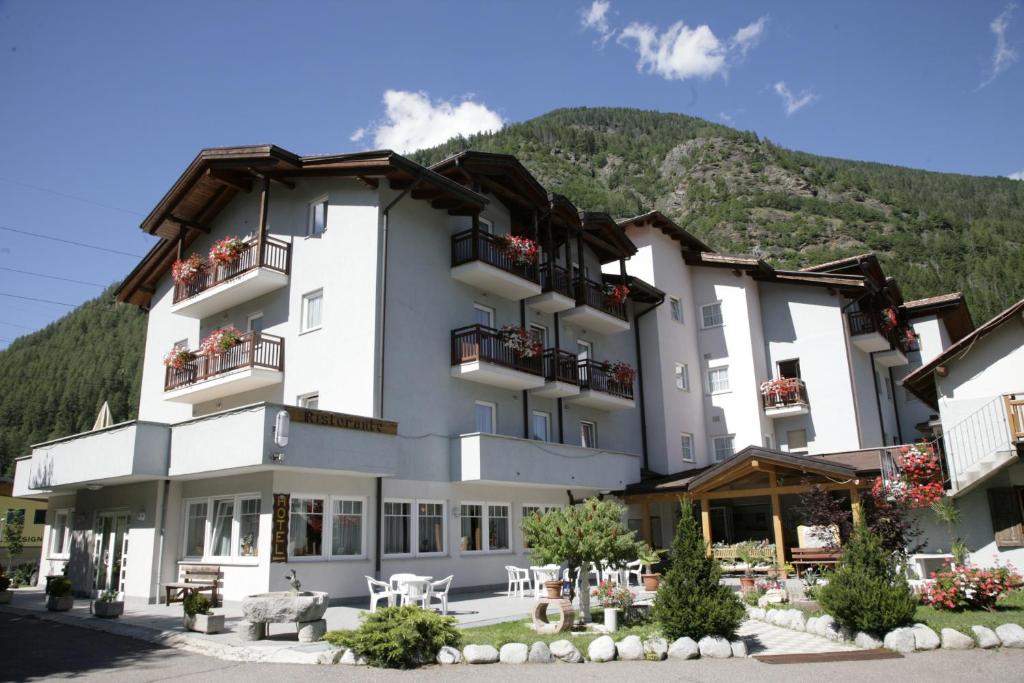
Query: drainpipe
[[526, 400], [895, 408], [640, 379], [161, 526], [878, 399]]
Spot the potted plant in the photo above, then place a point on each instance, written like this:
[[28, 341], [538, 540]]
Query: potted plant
[[522, 250], [780, 571], [520, 341], [248, 544], [615, 295], [186, 271], [226, 251], [553, 588], [5, 594], [220, 341], [198, 616], [748, 555], [620, 372], [59, 599], [107, 606], [178, 358], [614, 599], [648, 558]]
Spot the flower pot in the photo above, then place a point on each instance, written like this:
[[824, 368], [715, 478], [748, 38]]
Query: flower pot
[[5, 597], [111, 609], [204, 623], [611, 619], [60, 603], [554, 588], [746, 583], [651, 581]]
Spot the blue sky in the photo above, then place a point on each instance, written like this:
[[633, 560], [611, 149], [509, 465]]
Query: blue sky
[[105, 103]]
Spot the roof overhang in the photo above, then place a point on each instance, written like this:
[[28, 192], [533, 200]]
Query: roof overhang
[[605, 237], [951, 308], [659, 221], [754, 458]]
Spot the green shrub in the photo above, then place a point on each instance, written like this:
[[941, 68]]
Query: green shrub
[[22, 574], [691, 601], [60, 587], [399, 637], [5, 583], [868, 590], [196, 603]]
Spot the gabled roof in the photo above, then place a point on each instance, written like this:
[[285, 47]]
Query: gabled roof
[[605, 237], [806, 464], [503, 175], [639, 290], [922, 381], [660, 221], [761, 270], [951, 308]]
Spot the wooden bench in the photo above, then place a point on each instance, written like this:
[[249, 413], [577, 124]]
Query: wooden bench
[[814, 557], [195, 578]]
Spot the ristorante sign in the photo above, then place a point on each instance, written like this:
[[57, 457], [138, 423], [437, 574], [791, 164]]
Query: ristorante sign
[[279, 540], [325, 418]]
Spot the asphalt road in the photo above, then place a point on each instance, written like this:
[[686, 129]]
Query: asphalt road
[[34, 650]]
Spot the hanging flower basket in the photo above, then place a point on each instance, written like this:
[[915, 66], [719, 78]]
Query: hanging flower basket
[[226, 251], [187, 271], [889, 319], [918, 483], [782, 389], [615, 295], [219, 341], [178, 358], [520, 341], [522, 250], [620, 372]]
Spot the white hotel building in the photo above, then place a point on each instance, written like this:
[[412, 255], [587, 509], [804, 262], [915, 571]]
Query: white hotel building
[[370, 294]]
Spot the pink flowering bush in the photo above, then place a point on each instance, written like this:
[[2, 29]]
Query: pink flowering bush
[[920, 480], [620, 372], [226, 250], [521, 341], [220, 341], [178, 358], [186, 271], [613, 596], [522, 250], [964, 587]]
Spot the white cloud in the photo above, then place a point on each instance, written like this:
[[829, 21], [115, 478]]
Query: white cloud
[[1019, 175], [595, 18], [681, 52], [1003, 56], [413, 121], [792, 102], [725, 117], [358, 135]]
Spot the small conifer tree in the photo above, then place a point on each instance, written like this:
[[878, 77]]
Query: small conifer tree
[[691, 601]]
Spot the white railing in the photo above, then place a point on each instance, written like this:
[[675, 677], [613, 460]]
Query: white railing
[[981, 434]]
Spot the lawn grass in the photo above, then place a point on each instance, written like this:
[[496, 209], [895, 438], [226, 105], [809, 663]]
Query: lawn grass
[[1009, 610]]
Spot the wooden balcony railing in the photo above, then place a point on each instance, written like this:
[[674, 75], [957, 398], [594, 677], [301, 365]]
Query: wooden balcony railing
[[482, 343], [487, 249], [1015, 416], [276, 256], [560, 366], [595, 375], [590, 293], [255, 349], [782, 393], [862, 322], [557, 279]]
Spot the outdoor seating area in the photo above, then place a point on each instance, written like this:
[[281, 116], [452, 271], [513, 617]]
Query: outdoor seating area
[[410, 589], [732, 556], [195, 578], [529, 581]]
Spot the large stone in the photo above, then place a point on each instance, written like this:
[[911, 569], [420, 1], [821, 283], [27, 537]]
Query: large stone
[[565, 651], [252, 630], [656, 648], [739, 648], [312, 631], [350, 658], [1011, 635], [797, 620], [601, 649], [715, 647], [954, 640], [540, 653], [480, 654], [756, 613], [514, 653], [811, 626], [837, 633], [985, 636], [925, 638], [684, 648], [900, 640], [866, 641], [449, 655], [332, 655], [630, 648], [282, 606], [824, 623]]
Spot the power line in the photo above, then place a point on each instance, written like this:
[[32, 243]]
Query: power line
[[24, 327], [77, 244], [43, 301], [53, 277], [70, 196]]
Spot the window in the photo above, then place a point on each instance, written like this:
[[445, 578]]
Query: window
[[541, 426], [682, 377], [711, 315], [305, 532], [318, 217], [311, 401], [483, 315], [686, 446], [497, 527], [487, 226], [254, 322], [346, 527], [723, 447], [430, 522], [220, 529], [588, 434], [789, 369], [796, 439], [312, 310], [530, 510], [16, 516], [397, 528], [485, 417], [888, 388], [39, 517], [248, 527], [472, 517], [60, 533], [718, 380], [539, 333], [584, 349], [475, 518], [676, 308]]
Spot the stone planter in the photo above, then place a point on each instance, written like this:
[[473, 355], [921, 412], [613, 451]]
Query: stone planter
[[611, 619], [651, 582], [554, 589], [110, 609], [59, 603], [305, 609], [5, 597], [204, 623]]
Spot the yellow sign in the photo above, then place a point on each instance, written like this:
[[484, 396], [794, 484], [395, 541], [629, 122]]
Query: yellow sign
[[325, 418]]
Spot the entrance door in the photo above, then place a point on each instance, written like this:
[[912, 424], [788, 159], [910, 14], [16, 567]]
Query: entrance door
[[110, 548]]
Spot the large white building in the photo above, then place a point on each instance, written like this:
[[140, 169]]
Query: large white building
[[374, 418]]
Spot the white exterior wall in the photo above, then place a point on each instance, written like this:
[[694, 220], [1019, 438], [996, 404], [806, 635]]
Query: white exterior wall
[[932, 338]]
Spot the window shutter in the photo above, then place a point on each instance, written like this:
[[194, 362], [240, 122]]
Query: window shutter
[[1006, 518]]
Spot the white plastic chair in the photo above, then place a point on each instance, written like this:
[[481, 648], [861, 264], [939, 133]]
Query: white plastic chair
[[379, 590], [518, 580], [548, 572], [634, 569], [439, 592], [416, 592], [396, 581]]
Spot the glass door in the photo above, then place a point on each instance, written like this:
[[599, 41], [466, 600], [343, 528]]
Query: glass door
[[109, 550]]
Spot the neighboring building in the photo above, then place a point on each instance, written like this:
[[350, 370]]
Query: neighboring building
[[977, 387], [32, 514]]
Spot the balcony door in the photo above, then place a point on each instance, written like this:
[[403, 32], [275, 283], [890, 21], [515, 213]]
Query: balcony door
[[789, 369], [110, 545], [584, 352], [484, 315]]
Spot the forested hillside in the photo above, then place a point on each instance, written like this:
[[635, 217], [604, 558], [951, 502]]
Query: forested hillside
[[54, 381]]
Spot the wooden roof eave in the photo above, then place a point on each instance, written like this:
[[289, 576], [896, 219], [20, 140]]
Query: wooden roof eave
[[722, 472]]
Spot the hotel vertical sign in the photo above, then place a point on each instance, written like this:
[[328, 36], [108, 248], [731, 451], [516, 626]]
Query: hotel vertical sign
[[279, 540]]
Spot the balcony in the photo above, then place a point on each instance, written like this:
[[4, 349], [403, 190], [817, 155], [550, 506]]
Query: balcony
[[257, 361], [784, 397], [490, 458], [594, 311], [219, 288], [479, 355], [866, 333], [484, 264], [599, 388], [561, 377], [557, 292]]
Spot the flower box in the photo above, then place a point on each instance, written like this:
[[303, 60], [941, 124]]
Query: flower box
[[521, 342], [620, 372], [107, 609], [220, 341], [615, 295], [186, 271], [521, 250], [226, 251], [204, 623], [59, 603]]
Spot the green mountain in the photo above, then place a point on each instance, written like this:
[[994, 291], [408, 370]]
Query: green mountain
[[741, 194]]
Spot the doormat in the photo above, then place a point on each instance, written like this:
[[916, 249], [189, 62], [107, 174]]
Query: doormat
[[813, 657]]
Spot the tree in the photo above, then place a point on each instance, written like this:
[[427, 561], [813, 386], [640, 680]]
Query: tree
[[820, 508], [13, 539], [691, 601], [581, 535]]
